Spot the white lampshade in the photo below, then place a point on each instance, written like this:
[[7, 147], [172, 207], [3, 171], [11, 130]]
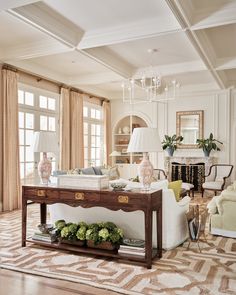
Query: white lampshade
[[45, 141], [144, 139]]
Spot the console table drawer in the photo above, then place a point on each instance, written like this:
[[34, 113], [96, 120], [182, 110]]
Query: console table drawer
[[122, 198], [80, 196], [44, 193]]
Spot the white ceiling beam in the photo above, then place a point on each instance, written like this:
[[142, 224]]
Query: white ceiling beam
[[8, 4], [33, 50], [196, 42], [226, 63], [95, 78], [128, 32], [110, 60], [50, 22]]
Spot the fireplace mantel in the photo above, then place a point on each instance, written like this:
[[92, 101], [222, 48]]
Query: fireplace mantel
[[208, 161]]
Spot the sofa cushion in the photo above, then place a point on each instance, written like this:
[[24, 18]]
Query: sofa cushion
[[74, 171], [176, 187], [88, 171], [112, 172], [97, 170]]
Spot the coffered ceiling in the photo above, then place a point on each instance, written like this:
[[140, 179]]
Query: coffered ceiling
[[95, 45]]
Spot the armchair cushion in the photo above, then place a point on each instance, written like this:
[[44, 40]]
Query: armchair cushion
[[212, 185]]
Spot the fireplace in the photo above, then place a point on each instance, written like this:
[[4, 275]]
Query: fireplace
[[188, 169], [192, 173]]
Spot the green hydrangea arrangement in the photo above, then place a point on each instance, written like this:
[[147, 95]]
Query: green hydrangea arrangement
[[71, 231], [104, 232]]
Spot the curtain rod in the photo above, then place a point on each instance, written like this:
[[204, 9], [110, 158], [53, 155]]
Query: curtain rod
[[60, 85]]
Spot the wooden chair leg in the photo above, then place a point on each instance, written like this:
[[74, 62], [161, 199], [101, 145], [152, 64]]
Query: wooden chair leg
[[202, 193], [215, 193], [193, 193]]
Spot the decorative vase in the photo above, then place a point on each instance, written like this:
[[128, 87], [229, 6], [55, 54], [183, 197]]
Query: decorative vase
[[45, 169], [102, 245], [145, 172], [126, 130], [206, 153], [170, 151]]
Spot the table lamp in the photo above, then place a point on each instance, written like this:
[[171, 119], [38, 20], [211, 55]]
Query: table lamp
[[145, 140], [45, 141]]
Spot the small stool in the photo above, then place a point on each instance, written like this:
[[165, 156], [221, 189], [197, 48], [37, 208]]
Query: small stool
[[189, 187]]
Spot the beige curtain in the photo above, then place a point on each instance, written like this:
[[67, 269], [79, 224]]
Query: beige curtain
[[77, 130], [107, 131], [65, 129], [9, 142], [71, 130]]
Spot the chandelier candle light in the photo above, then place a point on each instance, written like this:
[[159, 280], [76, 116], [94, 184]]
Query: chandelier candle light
[[145, 140], [45, 141], [149, 87]]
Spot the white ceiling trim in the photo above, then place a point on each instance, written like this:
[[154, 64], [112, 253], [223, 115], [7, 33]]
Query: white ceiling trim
[[34, 49], [7, 4], [110, 60], [215, 16], [50, 22], [185, 21], [93, 79], [226, 63], [128, 32]]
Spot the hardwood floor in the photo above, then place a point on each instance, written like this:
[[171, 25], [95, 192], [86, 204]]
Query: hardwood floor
[[17, 283]]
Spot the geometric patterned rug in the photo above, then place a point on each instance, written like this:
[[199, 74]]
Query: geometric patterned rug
[[180, 271]]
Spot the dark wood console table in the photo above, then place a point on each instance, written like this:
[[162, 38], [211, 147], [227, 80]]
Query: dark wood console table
[[148, 202]]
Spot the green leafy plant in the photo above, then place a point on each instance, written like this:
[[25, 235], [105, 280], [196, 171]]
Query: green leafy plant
[[71, 231], [104, 232], [208, 144], [170, 143]]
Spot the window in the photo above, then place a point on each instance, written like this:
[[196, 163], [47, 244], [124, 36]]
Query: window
[[93, 135], [38, 111]]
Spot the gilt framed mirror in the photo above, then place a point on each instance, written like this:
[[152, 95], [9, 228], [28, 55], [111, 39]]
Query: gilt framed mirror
[[189, 124]]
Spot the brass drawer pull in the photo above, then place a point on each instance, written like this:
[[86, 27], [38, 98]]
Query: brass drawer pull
[[123, 199], [41, 193], [79, 196]]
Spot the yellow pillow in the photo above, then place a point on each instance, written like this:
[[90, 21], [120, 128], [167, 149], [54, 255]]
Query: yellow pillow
[[176, 187]]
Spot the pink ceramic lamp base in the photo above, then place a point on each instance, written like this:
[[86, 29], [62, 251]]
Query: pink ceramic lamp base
[[145, 172], [45, 169]]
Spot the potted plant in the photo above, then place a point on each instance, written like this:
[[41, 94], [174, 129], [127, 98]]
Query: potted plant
[[104, 235], [208, 144], [170, 143], [71, 233]]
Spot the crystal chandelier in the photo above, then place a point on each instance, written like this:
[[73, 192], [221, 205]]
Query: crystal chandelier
[[149, 88]]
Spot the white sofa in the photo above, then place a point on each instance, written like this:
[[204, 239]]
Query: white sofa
[[175, 229]]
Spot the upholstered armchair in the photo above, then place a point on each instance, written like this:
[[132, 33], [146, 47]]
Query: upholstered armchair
[[216, 179], [222, 209]]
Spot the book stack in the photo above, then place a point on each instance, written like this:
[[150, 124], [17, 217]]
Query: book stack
[[47, 238], [132, 250]]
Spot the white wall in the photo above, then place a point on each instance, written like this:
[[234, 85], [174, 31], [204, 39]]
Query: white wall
[[219, 118]]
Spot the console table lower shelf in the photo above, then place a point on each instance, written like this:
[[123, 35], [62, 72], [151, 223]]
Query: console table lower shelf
[[93, 251], [149, 202]]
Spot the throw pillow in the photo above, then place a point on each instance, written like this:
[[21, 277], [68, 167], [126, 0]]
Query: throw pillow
[[88, 171], [176, 187], [112, 172], [74, 171]]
